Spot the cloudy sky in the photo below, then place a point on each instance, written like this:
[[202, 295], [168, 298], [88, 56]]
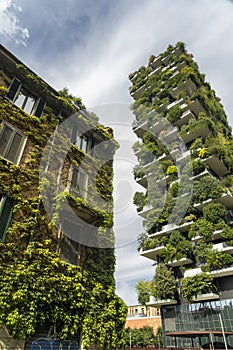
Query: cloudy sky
[[91, 47]]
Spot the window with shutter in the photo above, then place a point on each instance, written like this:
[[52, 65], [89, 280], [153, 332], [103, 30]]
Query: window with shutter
[[39, 107], [79, 182], [81, 141], [6, 210], [14, 89], [12, 142], [69, 247], [23, 98]]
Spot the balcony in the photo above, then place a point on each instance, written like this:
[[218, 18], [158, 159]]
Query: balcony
[[196, 107], [169, 135], [197, 130], [205, 297], [188, 86], [158, 303], [216, 165], [151, 253], [192, 272], [177, 102], [180, 262], [138, 93], [227, 271], [147, 167], [157, 62], [177, 51], [155, 71], [186, 116], [171, 227], [158, 127], [216, 235], [141, 127], [183, 157], [145, 211], [142, 181], [223, 247], [202, 174], [164, 181], [226, 199]]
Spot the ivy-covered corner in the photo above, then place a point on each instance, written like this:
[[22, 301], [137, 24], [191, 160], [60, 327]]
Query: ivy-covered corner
[[49, 278]]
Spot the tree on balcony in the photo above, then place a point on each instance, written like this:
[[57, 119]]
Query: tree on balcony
[[177, 248], [138, 171], [206, 188], [174, 114], [217, 260], [214, 212], [202, 228], [139, 200], [143, 289], [201, 250], [163, 283], [199, 284]]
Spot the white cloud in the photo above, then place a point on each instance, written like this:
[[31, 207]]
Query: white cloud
[[10, 26]]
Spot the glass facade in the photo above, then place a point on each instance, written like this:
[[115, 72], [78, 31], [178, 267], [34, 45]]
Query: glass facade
[[202, 316]]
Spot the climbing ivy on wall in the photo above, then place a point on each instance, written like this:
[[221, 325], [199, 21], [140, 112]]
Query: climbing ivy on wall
[[36, 285]]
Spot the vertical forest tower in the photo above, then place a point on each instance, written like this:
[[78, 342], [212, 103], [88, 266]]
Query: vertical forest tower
[[186, 172]]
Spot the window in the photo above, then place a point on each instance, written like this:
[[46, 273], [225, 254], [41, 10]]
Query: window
[[6, 210], [11, 143], [25, 99], [79, 181], [69, 247], [81, 141]]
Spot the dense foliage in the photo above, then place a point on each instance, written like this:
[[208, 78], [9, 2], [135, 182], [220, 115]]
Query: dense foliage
[[37, 287]]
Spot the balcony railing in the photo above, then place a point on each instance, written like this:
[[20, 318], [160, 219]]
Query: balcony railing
[[162, 302], [171, 227], [151, 254], [216, 165], [180, 262]]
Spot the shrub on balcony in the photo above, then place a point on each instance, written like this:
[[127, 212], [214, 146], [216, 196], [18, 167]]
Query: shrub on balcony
[[136, 146], [200, 284], [141, 240], [153, 144], [227, 181], [203, 153], [174, 189], [201, 227], [145, 155], [176, 248], [214, 212], [174, 114], [206, 188], [139, 200], [172, 171], [218, 260], [155, 219], [196, 146], [163, 283], [201, 251], [138, 172], [198, 166]]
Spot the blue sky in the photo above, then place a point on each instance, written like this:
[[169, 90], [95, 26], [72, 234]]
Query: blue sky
[[91, 47]]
